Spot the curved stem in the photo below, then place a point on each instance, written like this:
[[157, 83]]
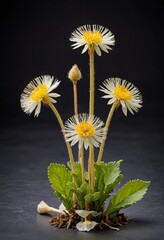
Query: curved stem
[[108, 121], [53, 108]]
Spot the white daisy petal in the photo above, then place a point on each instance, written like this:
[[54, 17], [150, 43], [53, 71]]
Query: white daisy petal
[[97, 36], [126, 93], [97, 49], [54, 95], [84, 49], [86, 143], [112, 100], [36, 92], [53, 86], [124, 109], [85, 129], [37, 111]]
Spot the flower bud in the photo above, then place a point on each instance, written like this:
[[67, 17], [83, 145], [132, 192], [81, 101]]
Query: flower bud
[[74, 74]]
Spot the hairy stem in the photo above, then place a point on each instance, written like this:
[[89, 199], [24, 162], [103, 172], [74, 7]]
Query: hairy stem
[[91, 112], [81, 150], [81, 160], [53, 108], [75, 97], [91, 169], [92, 80], [108, 121]]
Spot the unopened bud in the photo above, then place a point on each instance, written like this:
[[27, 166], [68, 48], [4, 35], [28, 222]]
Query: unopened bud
[[74, 74]]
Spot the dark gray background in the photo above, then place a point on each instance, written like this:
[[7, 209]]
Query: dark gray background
[[35, 41]]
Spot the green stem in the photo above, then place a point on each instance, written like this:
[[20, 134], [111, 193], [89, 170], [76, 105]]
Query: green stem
[[108, 121]]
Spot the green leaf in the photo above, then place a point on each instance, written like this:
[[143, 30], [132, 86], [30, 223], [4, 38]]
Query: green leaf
[[60, 177], [107, 177], [77, 173], [110, 187], [81, 192], [132, 192], [99, 178], [111, 171], [92, 197]]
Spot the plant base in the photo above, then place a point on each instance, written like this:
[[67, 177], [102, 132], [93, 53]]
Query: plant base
[[69, 221]]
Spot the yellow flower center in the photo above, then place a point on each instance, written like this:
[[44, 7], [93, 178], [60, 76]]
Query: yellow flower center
[[122, 93], [39, 92], [92, 37], [85, 129]]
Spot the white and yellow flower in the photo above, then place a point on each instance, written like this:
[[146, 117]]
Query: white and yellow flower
[[85, 129], [93, 35], [37, 92], [126, 93]]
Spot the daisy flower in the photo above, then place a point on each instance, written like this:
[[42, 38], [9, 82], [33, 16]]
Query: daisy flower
[[125, 92], [92, 35], [36, 92], [85, 129]]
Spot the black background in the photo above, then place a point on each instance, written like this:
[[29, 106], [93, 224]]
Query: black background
[[35, 41]]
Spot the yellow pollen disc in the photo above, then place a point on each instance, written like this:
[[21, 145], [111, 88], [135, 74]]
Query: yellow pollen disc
[[39, 92], [85, 129], [122, 93], [92, 37]]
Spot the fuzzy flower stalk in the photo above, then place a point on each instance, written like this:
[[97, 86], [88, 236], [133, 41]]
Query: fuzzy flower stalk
[[87, 131], [120, 93], [75, 75], [94, 38], [38, 92]]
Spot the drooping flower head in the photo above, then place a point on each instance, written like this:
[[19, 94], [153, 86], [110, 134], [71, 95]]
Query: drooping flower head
[[85, 129], [99, 37], [125, 92], [36, 92]]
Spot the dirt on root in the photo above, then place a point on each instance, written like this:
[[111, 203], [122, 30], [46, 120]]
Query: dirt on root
[[70, 220]]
